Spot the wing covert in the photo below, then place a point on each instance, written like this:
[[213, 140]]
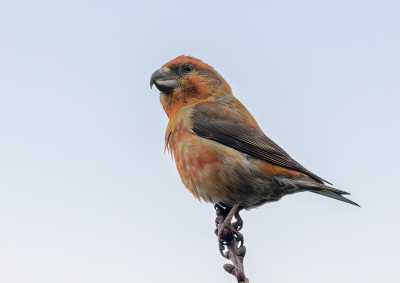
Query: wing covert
[[236, 128]]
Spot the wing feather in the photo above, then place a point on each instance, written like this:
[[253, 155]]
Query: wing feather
[[236, 128]]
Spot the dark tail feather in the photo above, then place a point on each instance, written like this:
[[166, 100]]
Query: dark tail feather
[[335, 196], [324, 190]]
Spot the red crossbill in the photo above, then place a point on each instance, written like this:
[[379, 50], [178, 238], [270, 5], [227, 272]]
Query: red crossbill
[[222, 155]]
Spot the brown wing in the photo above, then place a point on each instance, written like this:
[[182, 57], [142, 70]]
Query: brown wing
[[238, 129]]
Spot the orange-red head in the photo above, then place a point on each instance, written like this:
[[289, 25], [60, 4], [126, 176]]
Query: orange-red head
[[186, 80]]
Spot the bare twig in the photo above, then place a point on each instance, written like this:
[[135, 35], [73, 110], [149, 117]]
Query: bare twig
[[235, 252]]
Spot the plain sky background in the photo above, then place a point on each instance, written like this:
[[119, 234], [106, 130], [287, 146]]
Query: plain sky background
[[87, 194]]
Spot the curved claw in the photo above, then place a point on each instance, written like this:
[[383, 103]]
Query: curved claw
[[240, 240], [238, 225], [225, 255], [235, 225], [220, 207]]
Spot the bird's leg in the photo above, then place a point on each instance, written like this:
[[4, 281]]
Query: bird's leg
[[226, 228]]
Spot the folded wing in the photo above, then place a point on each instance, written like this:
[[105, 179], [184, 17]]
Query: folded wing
[[229, 123]]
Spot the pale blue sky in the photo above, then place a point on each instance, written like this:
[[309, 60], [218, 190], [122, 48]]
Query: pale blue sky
[[86, 193]]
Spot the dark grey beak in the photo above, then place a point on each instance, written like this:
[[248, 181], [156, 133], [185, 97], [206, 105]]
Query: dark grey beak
[[164, 81]]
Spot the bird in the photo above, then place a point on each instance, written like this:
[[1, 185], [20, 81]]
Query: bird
[[222, 155]]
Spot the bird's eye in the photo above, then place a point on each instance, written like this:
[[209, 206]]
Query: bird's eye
[[188, 68]]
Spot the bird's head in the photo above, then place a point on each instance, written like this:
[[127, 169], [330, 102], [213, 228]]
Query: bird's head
[[186, 80]]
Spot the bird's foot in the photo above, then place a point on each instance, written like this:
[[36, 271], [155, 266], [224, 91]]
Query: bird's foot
[[222, 215], [227, 231]]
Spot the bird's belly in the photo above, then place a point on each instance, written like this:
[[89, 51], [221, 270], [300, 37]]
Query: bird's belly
[[207, 168]]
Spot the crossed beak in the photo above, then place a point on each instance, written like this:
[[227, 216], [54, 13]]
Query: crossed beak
[[164, 81]]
